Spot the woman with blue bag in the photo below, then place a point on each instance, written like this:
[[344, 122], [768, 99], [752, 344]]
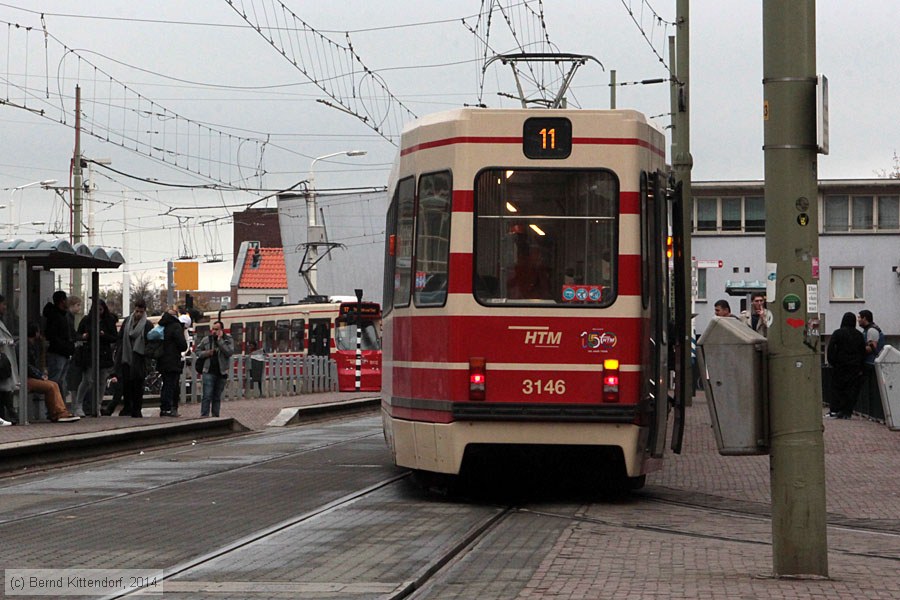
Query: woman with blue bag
[[169, 362]]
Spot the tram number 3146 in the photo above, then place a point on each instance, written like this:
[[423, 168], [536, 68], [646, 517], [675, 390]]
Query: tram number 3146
[[543, 386]]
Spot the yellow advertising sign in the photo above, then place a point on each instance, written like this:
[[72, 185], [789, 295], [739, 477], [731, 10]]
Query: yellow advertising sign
[[187, 276]]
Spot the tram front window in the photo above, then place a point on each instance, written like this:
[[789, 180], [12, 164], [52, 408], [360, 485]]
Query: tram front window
[[546, 237], [345, 336]]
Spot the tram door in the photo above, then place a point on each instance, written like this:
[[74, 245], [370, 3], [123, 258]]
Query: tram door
[[654, 299], [319, 336]]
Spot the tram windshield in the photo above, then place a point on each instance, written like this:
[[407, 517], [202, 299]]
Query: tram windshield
[[546, 237], [345, 336]]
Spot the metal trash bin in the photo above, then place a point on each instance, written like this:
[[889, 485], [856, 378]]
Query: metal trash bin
[[257, 369], [733, 361], [887, 372]]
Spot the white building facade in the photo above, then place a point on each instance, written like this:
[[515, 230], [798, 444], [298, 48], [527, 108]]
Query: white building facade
[[859, 247]]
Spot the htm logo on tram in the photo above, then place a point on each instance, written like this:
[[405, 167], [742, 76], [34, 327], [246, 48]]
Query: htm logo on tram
[[540, 336]]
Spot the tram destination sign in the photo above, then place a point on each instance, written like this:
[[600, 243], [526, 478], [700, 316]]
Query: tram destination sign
[[547, 137]]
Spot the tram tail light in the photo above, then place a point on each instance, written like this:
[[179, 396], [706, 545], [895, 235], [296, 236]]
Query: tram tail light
[[392, 245], [477, 378], [610, 380], [669, 250]]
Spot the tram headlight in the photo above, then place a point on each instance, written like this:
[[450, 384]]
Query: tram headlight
[[610, 380], [477, 378]]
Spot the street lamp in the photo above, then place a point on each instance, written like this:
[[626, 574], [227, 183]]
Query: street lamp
[[312, 229], [42, 183]]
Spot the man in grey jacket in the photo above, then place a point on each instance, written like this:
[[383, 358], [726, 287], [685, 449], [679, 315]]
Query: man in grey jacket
[[215, 351]]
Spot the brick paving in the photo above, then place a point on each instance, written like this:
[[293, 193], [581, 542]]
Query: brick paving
[[639, 546], [676, 551]]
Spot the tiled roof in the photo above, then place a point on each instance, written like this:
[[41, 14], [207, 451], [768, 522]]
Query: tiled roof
[[269, 272]]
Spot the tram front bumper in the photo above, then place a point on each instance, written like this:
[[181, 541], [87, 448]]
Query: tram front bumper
[[439, 447]]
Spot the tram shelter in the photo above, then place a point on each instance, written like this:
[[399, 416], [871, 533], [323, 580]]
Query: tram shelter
[[27, 282]]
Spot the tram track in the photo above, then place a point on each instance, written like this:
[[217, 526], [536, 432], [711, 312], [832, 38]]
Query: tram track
[[405, 589], [268, 532], [156, 454]]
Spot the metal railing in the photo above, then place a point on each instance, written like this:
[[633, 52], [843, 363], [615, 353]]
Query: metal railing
[[259, 376]]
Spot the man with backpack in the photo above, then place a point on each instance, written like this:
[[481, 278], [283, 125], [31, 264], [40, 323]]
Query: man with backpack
[[131, 367]]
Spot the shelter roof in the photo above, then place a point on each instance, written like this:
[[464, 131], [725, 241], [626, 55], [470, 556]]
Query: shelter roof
[[60, 254]]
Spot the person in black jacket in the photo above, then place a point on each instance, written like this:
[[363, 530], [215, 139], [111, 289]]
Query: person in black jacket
[[846, 353], [169, 364], [130, 364], [83, 401], [61, 343]]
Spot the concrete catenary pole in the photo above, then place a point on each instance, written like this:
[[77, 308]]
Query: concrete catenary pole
[[797, 461], [682, 163], [77, 194]]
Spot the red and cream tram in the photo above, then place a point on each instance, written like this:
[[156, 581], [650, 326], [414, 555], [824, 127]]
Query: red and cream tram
[[527, 288], [310, 328]]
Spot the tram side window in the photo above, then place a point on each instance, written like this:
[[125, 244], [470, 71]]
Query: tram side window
[[268, 336], [390, 245], [546, 237], [403, 248], [433, 239], [237, 334], [251, 337], [282, 336], [297, 335]]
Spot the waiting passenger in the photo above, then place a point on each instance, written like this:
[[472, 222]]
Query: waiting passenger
[[215, 351], [130, 364], [723, 309], [40, 383], [846, 353], [759, 318]]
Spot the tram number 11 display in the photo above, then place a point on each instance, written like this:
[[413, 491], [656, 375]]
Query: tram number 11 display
[[547, 137]]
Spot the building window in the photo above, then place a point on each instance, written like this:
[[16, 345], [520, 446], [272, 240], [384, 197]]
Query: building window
[[837, 216], [846, 283], [754, 214], [707, 214], [276, 300], [701, 285], [889, 212], [731, 214], [861, 213]]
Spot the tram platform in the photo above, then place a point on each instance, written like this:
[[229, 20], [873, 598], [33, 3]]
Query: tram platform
[[42, 443]]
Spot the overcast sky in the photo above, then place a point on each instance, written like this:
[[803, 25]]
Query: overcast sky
[[202, 61]]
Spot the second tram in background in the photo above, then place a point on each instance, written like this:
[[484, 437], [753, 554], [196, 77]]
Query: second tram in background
[[528, 296], [317, 328]]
